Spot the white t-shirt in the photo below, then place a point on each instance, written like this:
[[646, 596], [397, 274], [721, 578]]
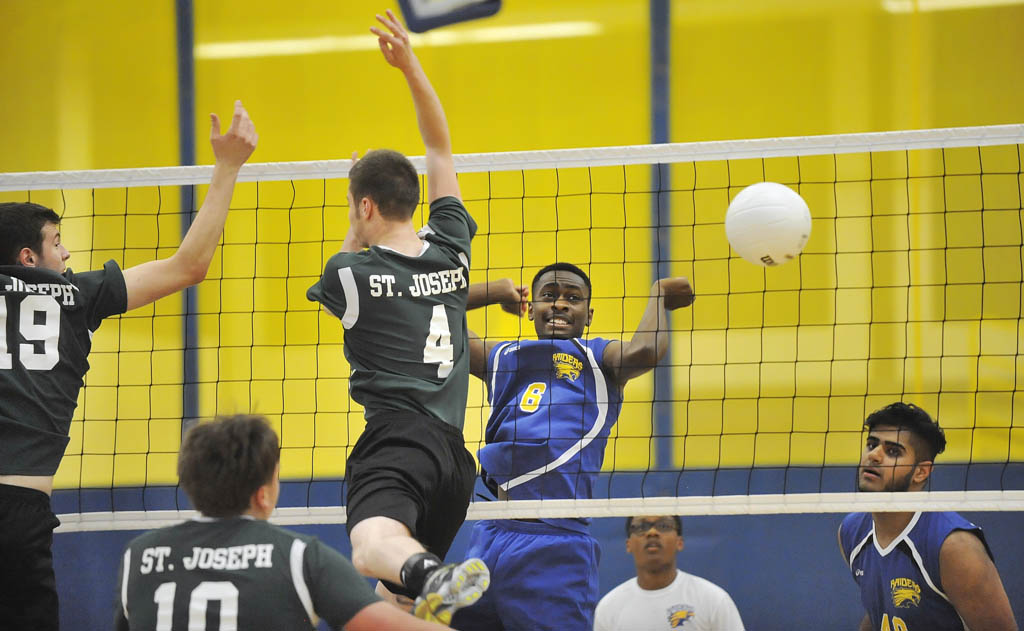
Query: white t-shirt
[[689, 602]]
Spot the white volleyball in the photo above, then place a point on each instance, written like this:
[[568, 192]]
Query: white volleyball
[[768, 223]]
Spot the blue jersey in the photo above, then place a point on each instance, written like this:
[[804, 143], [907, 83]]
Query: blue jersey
[[552, 408], [901, 584]]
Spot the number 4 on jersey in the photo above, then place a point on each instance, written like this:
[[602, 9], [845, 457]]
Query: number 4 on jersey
[[438, 348]]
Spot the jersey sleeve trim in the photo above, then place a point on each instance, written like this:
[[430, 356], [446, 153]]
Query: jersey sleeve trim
[[295, 561], [601, 400], [857, 548], [126, 566], [348, 285], [924, 570], [495, 358]]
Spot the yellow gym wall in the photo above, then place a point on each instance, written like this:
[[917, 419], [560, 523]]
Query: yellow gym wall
[[94, 85]]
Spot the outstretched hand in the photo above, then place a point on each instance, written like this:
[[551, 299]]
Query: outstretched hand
[[394, 45], [677, 292], [234, 147]]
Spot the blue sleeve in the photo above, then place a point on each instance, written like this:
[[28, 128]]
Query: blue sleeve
[[597, 346], [851, 531]]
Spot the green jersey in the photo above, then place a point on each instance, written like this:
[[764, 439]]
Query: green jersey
[[46, 325], [235, 573], [405, 318]]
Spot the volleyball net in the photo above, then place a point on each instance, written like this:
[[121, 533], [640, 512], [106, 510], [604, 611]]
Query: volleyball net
[[909, 289]]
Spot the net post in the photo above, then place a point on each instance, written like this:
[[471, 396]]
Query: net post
[[660, 17], [187, 157]]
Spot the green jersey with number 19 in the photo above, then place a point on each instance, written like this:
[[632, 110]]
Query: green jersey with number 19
[[47, 321], [405, 318]]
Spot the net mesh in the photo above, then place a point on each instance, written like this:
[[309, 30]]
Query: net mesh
[[909, 289]]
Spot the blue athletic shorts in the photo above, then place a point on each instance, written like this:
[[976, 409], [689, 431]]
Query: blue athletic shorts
[[542, 577]]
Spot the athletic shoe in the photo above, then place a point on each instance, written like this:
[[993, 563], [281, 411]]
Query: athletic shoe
[[450, 588]]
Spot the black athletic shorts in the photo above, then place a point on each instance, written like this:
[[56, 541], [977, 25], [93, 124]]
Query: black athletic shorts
[[414, 469], [28, 590]]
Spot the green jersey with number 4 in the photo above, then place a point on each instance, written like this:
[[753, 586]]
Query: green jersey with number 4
[[405, 319]]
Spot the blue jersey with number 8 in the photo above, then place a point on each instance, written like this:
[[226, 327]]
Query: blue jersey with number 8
[[552, 408]]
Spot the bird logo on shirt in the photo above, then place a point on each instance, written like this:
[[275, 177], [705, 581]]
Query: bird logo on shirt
[[678, 615], [566, 366], [905, 593]]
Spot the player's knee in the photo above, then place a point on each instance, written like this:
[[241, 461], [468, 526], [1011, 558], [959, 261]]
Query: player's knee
[[360, 559]]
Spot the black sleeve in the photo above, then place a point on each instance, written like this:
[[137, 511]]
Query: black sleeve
[[450, 224], [103, 291], [328, 291]]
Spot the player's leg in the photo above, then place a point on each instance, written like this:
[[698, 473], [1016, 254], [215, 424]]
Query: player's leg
[[388, 477], [28, 591], [551, 579], [395, 472], [380, 545], [402, 602], [454, 586], [486, 542]]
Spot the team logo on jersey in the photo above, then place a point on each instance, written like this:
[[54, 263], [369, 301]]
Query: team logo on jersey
[[678, 615], [905, 593], [566, 366]]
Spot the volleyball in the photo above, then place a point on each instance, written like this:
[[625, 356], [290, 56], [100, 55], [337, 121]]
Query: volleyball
[[768, 223]]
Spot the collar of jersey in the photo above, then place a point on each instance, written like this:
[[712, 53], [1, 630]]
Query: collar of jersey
[[205, 519], [426, 244], [900, 537]]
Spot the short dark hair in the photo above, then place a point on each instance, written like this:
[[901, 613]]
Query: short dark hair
[[390, 180], [224, 461], [929, 439], [677, 518], [561, 267], [21, 226]]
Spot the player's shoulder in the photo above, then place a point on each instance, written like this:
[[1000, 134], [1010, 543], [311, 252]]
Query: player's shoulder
[[854, 528], [708, 588], [945, 519], [162, 536], [933, 530], [448, 202], [854, 523], [938, 525], [341, 260], [622, 592]]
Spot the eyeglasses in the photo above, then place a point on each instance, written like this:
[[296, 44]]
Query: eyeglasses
[[661, 525]]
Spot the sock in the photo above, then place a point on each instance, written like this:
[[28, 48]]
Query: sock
[[417, 568]]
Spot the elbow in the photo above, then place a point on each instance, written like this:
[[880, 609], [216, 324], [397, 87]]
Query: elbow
[[194, 272]]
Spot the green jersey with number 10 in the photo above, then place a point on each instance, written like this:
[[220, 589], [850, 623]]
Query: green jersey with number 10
[[405, 318]]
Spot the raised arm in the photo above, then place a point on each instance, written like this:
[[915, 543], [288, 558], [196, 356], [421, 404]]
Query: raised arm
[[625, 360], [504, 292], [152, 281], [512, 299], [441, 180], [972, 584]]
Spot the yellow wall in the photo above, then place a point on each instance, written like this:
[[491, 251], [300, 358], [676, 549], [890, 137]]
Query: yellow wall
[[94, 86]]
